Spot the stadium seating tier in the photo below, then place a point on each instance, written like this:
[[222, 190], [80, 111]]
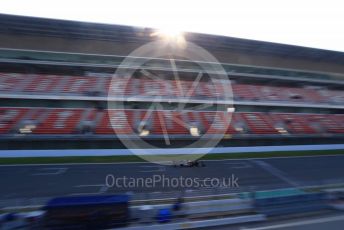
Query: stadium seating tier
[[76, 120]]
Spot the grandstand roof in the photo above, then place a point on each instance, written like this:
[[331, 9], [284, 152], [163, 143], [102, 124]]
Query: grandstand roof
[[23, 25]]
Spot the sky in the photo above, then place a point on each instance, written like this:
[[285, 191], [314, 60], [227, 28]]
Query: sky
[[310, 23]]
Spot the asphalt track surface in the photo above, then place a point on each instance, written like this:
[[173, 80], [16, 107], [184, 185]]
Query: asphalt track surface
[[37, 182]]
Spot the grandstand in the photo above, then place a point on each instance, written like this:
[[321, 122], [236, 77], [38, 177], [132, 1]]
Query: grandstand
[[55, 80]]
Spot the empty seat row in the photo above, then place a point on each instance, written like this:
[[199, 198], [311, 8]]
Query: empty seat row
[[15, 83], [76, 120]]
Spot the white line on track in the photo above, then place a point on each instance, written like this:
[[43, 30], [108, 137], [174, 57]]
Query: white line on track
[[276, 172], [121, 163], [149, 166], [88, 185], [300, 223], [158, 168], [103, 189], [84, 194], [50, 171], [239, 165]]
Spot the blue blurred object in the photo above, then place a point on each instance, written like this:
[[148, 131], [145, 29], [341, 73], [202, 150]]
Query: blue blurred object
[[82, 201], [10, 217], [164, 215], [90, 212]]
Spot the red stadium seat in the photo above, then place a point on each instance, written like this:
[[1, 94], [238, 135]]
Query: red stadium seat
[[9, 117], [158, 122], [59, 121], [294, 123], [259, 123], [151, 87]]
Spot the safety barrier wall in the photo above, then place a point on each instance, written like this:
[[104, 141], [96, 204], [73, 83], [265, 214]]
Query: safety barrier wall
[[126, 152]]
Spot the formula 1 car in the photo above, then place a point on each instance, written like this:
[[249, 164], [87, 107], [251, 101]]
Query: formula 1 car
[[188, 163]]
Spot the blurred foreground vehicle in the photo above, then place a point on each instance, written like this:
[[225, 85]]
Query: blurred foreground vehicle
[[87, 212]]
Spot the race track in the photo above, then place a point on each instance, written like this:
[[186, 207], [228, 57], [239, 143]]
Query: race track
[[38, 182]]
